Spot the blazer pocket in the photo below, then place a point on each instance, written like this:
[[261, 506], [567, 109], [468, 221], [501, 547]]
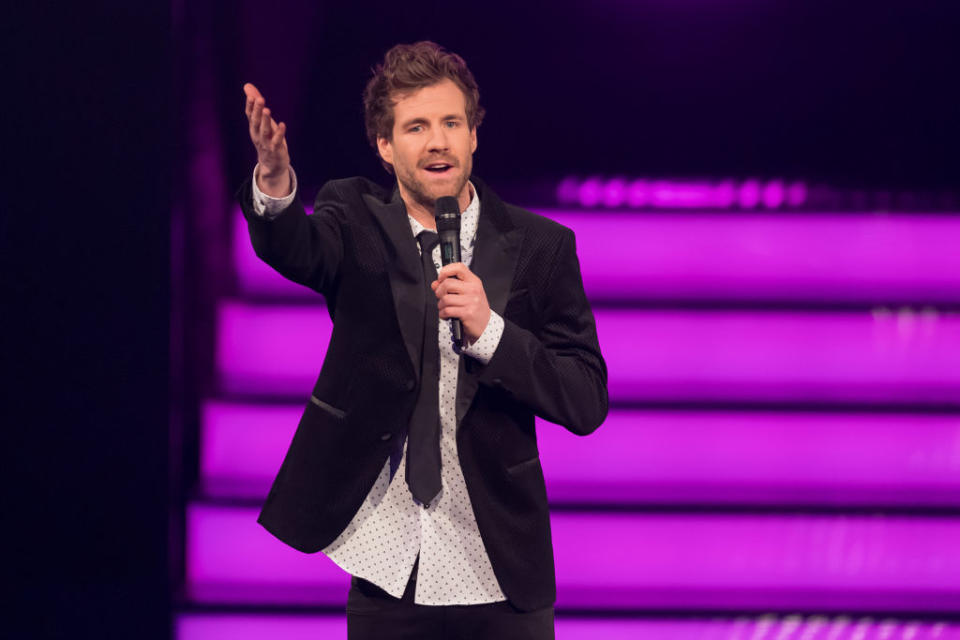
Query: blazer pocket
[[329, 408], [520, 466]]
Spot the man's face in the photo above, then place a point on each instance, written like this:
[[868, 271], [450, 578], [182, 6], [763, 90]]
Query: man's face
[[432, 145]]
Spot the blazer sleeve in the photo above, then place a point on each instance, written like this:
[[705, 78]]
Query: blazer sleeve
[[306, 249], [558, 372]]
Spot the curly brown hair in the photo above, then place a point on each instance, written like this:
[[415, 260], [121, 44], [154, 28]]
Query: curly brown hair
[[407, 68]]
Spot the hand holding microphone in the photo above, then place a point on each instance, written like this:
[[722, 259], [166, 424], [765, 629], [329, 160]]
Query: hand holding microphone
[[459, 291]]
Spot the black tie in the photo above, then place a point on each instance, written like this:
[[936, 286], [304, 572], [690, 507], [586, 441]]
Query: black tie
[[423, 443]]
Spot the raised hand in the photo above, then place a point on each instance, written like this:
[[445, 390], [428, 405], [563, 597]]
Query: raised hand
[[270, 140]]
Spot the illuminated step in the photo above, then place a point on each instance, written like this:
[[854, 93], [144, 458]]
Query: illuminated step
[[672, 356], [666, 457], [818, 257], [245, 626], [627, 561]]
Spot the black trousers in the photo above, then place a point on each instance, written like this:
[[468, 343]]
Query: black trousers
[[373, 614]]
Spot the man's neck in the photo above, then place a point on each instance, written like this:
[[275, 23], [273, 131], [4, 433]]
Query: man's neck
[[425, 215]]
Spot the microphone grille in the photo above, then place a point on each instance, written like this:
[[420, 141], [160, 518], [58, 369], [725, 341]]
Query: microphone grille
[[447, 214]]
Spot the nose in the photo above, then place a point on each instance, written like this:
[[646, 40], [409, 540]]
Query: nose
[[438, 139]]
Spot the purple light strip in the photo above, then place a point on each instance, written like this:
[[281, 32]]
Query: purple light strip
[[825, 562], [642, 193], [736, 256], [313, 627], [253, 274], [667, 355], [257, 627], [668, 457], [257, 353]]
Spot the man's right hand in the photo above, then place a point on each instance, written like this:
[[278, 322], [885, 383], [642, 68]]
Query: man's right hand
[[269, 139]]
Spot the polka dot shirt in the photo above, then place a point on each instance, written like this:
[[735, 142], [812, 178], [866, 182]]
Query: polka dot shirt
[[382, 541]]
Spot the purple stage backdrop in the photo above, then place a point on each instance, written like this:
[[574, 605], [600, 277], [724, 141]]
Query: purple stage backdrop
[[784, 381], [898, 358]]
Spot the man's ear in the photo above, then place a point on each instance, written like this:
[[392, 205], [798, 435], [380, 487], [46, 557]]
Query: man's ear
[[385, 149], [473, 140]]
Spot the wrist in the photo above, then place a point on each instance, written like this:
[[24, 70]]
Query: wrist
[[274, 183], [469, 337]]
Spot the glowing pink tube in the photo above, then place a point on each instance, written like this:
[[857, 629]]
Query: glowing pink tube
[[825, 562], [678, 356], [667, 457], [245, 626], [257, 353], [816, 257]]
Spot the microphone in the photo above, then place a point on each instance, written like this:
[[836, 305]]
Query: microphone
[[448, 228]]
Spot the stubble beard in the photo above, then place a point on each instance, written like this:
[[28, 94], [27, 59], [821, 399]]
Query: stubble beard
[[418, 190]]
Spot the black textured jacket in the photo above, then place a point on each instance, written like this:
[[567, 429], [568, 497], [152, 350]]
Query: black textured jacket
[[357, 250]]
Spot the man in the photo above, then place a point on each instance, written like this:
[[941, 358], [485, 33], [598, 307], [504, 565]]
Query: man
[[415, 466]]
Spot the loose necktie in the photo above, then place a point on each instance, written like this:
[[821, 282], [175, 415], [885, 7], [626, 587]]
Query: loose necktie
[[423, 442]]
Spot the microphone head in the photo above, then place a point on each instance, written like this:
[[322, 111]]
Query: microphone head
[[447, 214]]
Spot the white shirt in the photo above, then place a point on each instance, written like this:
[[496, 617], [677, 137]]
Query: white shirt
[[382, 541]]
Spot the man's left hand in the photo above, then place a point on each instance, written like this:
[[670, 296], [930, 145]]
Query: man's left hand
[[460, 294]]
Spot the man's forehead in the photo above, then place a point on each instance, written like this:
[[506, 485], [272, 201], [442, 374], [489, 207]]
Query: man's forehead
[[443, 95]]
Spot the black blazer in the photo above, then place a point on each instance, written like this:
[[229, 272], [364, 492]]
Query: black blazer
[[357, 250]]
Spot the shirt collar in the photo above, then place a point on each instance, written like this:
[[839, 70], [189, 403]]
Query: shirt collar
[[468, 222]]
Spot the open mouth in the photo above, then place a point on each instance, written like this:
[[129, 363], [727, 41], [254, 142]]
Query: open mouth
[[439, 168]]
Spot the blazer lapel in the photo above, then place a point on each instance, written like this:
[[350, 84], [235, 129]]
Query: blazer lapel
[[494, 262], [406, 274]]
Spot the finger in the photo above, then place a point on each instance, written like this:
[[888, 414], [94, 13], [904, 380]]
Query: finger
[[251, 91], [455, 311], [279, 131], [450, 311], [453, 286], [457, 270], [251, 94], [266, 126], [256, 117], [458, 300]]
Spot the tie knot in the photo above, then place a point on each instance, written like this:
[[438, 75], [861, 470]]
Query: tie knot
[[428, 240]]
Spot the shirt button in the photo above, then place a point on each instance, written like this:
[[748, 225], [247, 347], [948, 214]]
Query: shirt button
[[410, 385], [386, 436]]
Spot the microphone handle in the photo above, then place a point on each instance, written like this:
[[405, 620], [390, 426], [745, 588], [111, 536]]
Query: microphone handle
[[450, 253], [456, 327]]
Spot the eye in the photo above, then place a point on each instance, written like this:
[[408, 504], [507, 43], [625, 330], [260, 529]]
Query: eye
[[451, 124], [415, 128]]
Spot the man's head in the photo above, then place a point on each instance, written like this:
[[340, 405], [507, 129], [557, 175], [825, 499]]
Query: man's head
[[422, 112]]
